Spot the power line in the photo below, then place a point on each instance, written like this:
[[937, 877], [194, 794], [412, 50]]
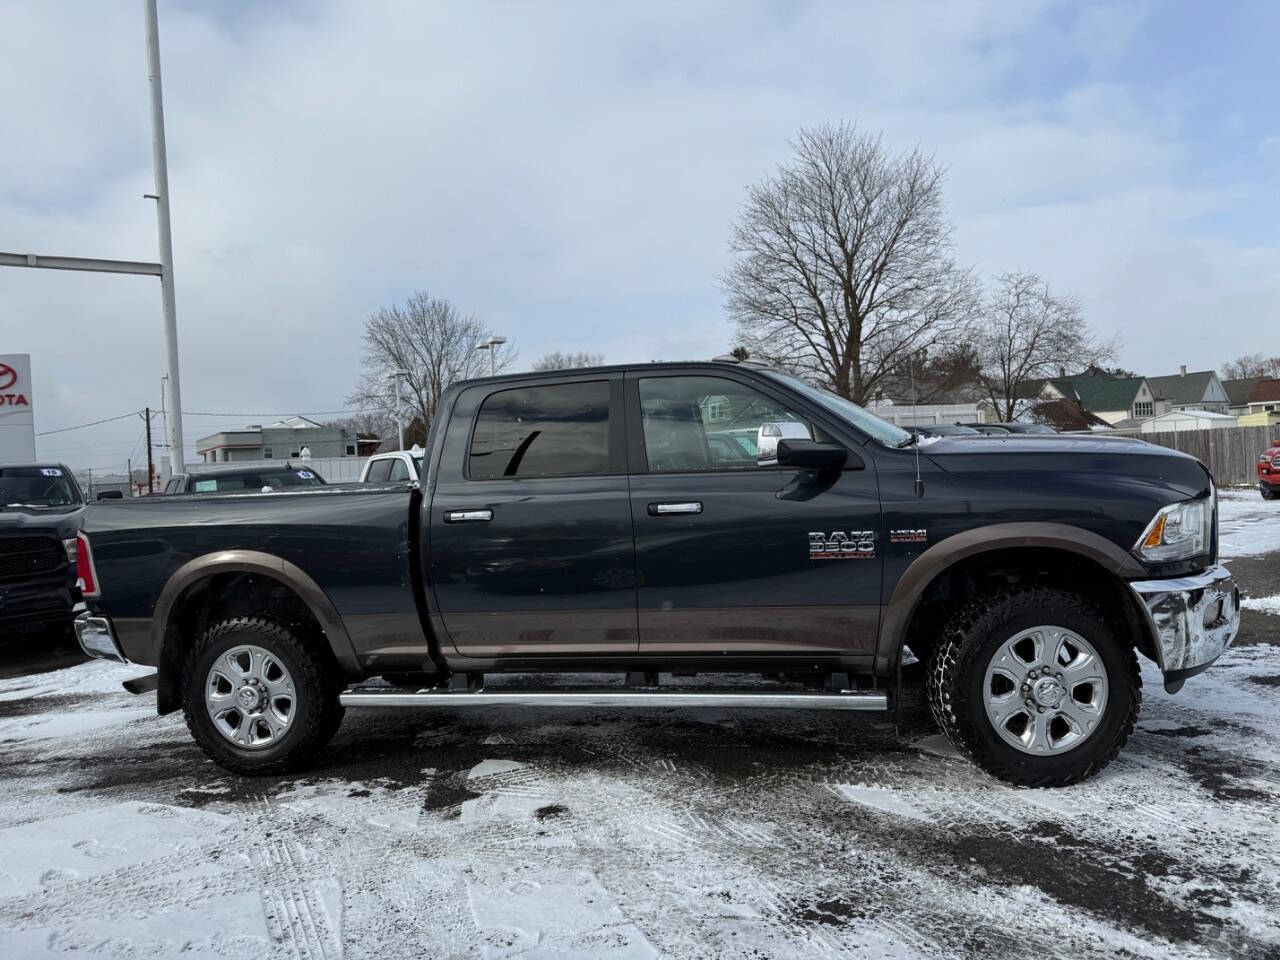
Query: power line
[[289, 413], [116, 445], [81, 426]]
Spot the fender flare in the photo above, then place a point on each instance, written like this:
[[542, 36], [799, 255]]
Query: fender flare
[[1001, 536], [264, 564]]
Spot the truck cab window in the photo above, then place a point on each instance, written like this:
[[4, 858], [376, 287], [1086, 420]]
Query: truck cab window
[[705, 423], [398, 470], [557, 430], [380, 471]]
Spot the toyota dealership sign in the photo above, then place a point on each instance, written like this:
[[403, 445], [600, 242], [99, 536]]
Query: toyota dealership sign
[[17, 422]]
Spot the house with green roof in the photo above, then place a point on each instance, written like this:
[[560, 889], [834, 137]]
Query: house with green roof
[[1104, 395]]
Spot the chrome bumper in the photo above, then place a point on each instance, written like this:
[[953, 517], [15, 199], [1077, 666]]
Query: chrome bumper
[[97, 638], [1194, 619]]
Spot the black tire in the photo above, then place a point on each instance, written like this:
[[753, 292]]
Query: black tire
[[316, 684], [1267, 492], [957, 672]]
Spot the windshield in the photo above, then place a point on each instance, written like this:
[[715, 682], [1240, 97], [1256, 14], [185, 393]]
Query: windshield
[[847, 410], [254, 481], [37, 487]]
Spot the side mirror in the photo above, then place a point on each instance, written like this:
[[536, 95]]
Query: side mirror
[[810, 455], [770, 433]]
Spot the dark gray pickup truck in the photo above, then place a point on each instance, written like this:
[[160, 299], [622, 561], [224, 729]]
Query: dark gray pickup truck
[[672, 519], [40, 510]]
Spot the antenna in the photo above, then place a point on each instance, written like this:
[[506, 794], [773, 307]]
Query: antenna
[[911, 372]]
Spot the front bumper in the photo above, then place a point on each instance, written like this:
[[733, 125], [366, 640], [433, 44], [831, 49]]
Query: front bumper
[[34, 603], [97, 637], [1193, 620]]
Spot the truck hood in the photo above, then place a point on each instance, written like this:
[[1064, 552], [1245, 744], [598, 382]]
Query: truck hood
[[65, 521], [1064, 456], [1041, 443]]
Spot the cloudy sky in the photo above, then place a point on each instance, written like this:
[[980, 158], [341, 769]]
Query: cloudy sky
[[569, 171]]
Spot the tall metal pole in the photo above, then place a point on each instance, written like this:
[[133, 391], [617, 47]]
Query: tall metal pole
[[151, 470], [160, 161]]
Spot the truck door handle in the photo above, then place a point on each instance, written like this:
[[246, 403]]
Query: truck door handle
[[680, 506], [468, 516]]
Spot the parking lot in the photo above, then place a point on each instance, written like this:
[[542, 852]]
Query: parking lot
[[598, 833]]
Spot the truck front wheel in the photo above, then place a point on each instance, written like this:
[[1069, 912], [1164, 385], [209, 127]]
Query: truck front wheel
[[1037, 685], [257, 698]]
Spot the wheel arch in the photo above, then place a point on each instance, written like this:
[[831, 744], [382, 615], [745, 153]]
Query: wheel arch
[[194, 578], [999, 545]]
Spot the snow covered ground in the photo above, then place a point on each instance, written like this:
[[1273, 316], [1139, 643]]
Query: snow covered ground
[[555, 833], [546, 833], [1248, 526]]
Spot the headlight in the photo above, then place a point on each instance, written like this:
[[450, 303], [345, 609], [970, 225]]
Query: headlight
[[70, 546], [1178, 532]]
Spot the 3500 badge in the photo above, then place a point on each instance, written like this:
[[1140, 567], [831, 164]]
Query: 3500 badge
[[838, 545]]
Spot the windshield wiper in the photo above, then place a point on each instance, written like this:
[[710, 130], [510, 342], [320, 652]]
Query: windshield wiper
[[910, 439]]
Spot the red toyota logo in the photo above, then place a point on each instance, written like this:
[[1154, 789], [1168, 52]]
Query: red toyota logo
[[8, 376]]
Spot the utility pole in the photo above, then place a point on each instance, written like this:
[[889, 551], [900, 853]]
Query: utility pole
[[151, 470], [161, 196], [128, 472]]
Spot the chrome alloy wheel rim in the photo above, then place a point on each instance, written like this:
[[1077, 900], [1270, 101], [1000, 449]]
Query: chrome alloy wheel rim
[[1045, 690], [249, 696]]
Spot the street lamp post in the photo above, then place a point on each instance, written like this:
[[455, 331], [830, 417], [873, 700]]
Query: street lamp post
[[492, 344], [396, 375]]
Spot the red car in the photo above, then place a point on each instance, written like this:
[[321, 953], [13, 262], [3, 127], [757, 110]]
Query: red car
[[1269, 471]]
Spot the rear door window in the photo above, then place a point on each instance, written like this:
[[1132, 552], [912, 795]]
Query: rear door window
[[556, 430], [379, 471], [399, 471]]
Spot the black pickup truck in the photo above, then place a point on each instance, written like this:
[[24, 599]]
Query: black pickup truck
[[672, 519], [40, 511]]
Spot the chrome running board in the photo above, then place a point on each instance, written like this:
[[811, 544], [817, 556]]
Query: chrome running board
[[570, 697]]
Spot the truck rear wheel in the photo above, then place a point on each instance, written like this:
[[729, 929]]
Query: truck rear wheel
[[257, 698], [1036, 685]]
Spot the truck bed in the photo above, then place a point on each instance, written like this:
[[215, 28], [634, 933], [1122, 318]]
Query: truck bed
[[353, 540]]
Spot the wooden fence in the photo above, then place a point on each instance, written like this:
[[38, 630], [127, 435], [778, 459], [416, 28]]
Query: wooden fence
[[1230, 453]]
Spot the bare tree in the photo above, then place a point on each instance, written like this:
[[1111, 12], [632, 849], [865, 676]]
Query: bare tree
[[955, 370], [1251, 365], [1026, 333], [433, 343], [367, 423], [569, 361], [842, 266]]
